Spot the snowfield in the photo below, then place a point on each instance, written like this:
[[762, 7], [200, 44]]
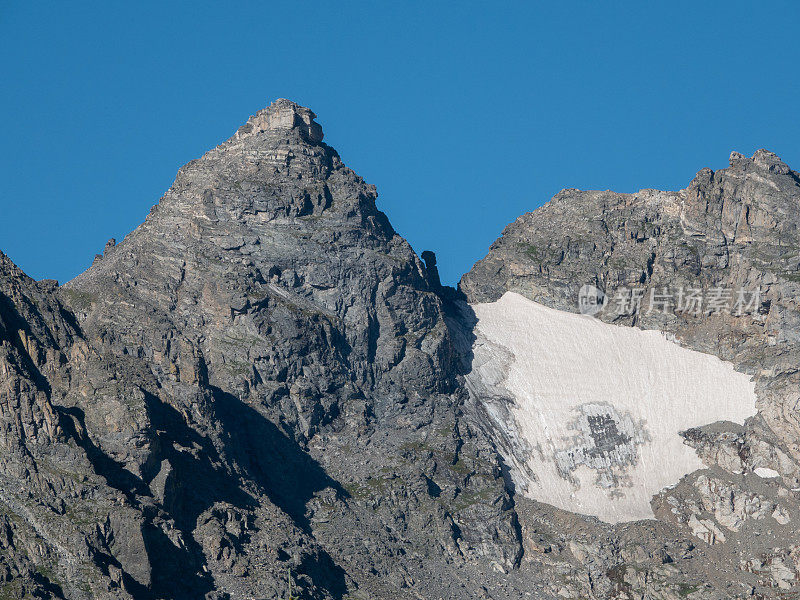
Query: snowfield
[[589, 413]]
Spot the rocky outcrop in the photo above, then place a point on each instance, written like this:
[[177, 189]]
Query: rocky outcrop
[[287, 400], [716, 267]]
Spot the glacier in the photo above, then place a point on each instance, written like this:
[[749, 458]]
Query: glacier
[[590, 413]]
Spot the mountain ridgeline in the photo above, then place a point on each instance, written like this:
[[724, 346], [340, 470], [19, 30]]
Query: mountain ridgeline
[[263, 392]]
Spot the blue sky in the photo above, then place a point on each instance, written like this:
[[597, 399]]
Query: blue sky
[[464, 114]]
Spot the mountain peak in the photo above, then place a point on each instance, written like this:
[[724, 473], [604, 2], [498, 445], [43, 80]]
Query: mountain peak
[[284, 114], [763, 159]]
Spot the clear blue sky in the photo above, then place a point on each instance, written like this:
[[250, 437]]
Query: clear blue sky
[[464, 114]]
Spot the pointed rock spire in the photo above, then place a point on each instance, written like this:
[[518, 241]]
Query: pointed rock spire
[[284, 114]]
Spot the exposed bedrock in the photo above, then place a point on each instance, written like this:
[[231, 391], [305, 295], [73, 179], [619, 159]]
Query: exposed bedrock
[[263, 392], [715, 268]]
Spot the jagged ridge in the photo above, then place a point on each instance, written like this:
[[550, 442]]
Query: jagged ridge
[[261, 390]]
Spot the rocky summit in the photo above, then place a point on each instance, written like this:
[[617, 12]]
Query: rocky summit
[[263, 392]]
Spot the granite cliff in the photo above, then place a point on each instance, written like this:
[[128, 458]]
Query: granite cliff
[[262, 392]]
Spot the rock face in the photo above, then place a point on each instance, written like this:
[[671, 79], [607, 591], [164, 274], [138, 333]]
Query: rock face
[[262, 392], [261, 386], [716, 267]]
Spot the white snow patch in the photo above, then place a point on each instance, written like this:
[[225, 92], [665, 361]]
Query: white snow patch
[[590, 412], [766, 473]]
